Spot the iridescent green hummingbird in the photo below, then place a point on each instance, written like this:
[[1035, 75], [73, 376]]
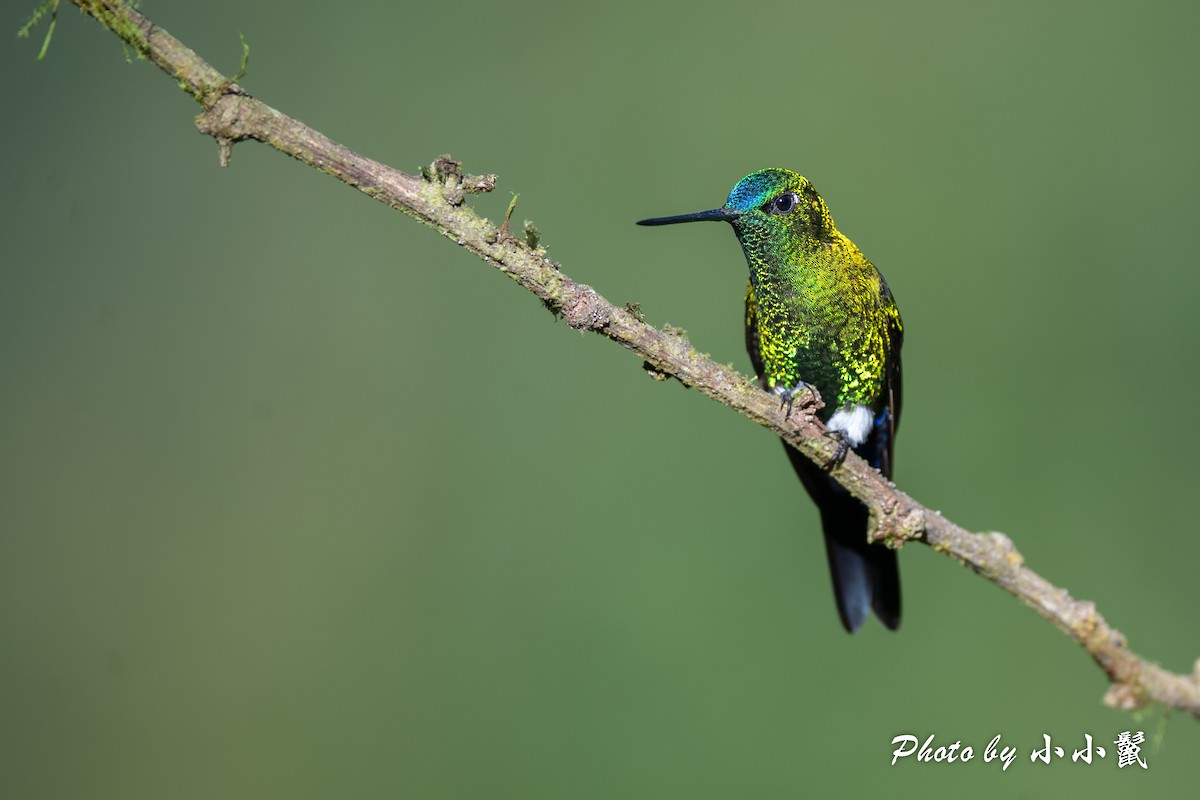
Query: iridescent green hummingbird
[[818, 314]]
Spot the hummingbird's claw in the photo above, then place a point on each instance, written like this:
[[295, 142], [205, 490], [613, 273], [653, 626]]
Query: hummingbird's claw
[[787, 397], [839, 454]]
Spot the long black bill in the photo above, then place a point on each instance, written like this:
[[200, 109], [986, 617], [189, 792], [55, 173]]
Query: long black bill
[[716, 215]]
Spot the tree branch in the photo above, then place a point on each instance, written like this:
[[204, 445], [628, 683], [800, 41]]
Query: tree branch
[[436, 198]]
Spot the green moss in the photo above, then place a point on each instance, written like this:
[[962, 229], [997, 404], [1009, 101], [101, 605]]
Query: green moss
[[115, 17], [532, 234], [48, 8]]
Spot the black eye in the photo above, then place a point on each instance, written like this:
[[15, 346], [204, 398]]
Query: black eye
[[783, 204]]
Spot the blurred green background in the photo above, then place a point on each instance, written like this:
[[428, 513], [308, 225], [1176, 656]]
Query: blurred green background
[[299, 500]]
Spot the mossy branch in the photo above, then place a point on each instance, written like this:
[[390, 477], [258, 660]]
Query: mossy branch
[[435, 198]]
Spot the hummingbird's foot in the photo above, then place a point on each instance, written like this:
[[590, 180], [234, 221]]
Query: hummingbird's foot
[[787, 397], [839, 454]]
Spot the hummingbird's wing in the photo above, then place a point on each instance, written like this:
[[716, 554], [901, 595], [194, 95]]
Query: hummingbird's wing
[[893, 388], [752, 345]]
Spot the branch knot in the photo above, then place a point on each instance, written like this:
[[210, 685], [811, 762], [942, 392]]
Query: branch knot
[[585, 310], [231, 118], [456, 184]]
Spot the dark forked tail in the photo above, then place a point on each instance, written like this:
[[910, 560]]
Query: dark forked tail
[[865, 576]]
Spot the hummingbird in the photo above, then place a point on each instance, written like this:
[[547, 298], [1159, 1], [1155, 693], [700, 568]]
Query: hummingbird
[[820, 316]]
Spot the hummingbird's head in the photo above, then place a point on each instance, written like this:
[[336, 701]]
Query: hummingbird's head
[[779, 202], [771, 204]]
